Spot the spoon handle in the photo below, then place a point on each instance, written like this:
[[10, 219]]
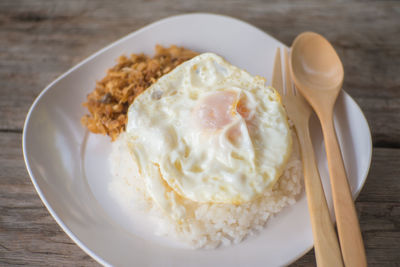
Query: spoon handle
[[351, 241], [327, 250]]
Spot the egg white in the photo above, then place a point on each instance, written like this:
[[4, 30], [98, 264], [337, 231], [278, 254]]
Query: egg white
[[184, 151]]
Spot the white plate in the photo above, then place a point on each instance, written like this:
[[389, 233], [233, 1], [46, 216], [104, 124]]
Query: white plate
[[69, 167]]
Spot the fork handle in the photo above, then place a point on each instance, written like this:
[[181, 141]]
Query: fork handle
[[327, 251], [351, 241]]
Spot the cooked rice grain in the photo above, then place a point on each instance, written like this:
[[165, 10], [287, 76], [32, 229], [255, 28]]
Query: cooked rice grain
[[208, 225]]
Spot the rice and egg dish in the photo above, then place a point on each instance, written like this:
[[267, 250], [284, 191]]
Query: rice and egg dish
[[208, 148]]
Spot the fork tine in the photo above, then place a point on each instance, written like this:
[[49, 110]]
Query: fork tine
[[277, 79], [288, 79]]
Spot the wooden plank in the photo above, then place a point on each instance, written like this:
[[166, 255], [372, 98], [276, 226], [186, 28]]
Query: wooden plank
[[28, 233], [40, 40], [30, 236], [382, 183]]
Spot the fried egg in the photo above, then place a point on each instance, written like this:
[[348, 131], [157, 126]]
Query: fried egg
[[208, 132]]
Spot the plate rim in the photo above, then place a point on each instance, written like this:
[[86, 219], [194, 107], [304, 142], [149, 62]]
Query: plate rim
[[63, 226]]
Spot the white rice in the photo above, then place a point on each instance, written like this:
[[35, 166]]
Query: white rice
[[206, 225]]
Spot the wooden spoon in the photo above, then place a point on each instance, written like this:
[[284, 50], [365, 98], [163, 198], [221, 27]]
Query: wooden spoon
[[318, 73]]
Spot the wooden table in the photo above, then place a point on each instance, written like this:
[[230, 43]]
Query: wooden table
[[40, 40]]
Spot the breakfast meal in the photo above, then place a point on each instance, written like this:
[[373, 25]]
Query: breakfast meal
[[201, 145]]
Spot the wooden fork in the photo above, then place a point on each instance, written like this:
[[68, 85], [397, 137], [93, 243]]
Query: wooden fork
[[327, 251]]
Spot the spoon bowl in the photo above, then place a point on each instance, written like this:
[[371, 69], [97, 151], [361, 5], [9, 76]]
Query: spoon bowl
[[316, 63]]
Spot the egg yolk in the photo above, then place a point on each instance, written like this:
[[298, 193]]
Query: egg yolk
[[218, 109]]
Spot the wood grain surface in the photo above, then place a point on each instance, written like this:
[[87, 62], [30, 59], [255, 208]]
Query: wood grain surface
[[39, 40]]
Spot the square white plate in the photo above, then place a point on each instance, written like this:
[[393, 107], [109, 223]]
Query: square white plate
[[69, 169]]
